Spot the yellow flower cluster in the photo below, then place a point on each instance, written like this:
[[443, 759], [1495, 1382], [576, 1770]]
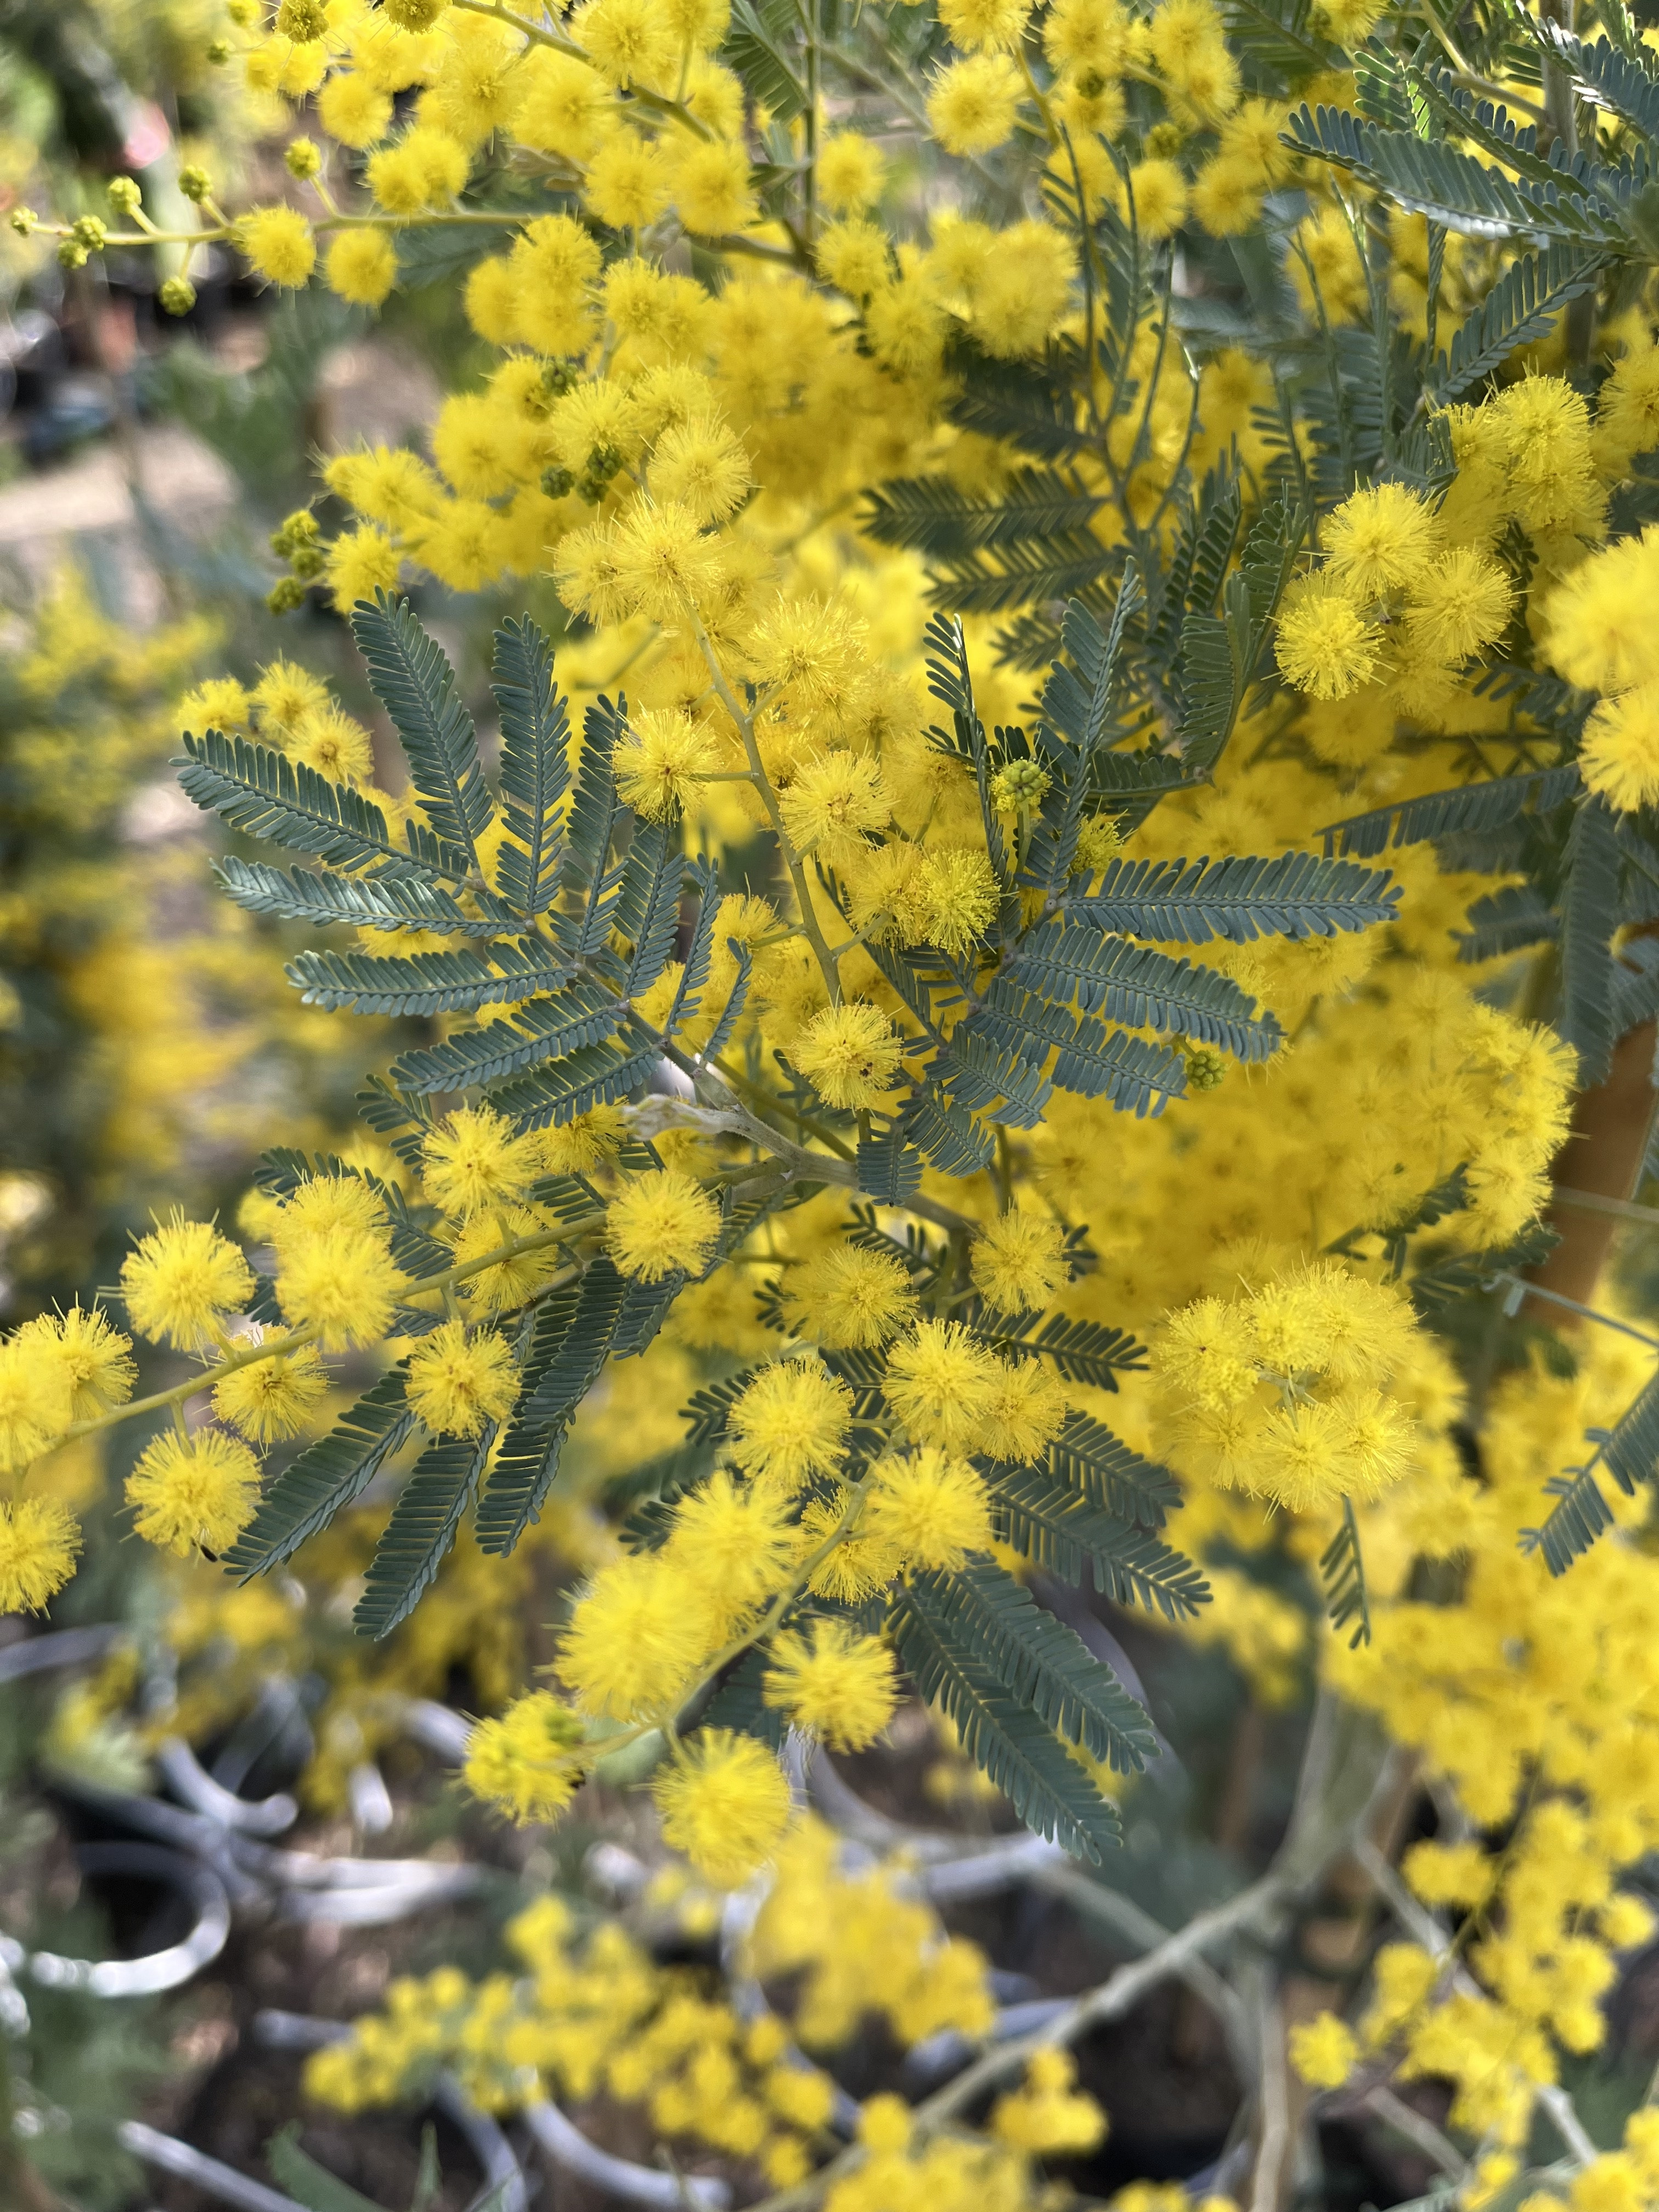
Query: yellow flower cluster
[[594, 2014]]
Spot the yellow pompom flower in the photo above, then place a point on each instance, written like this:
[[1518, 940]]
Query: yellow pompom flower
[[474, 1160], [1018, 1261], [1049, 2116], [975, 104], [931, 1508], [1027, 1411], [1323, 2051], [958, 895], [458, 1383], [723, 1802], [850, 1054], [735, 1544], [792, 1422], [335, 745], [342, 1281], [1380, 539], [526, 1762], [275, 1397], [94, 1359], [834, 805], [1325, 645], [839, 1686], [662, 763], [586, 1141], [360, 563], [940, 1383], [636, 1639], [859, 1565], [852, 1299], [627, 182], [39, 1542], [662, 1224], [850, 172], [1462, 603], [711, 187], [1159, 192], [323, 1203], [362, 267], [287, 695], [193, 1493], [354, 110], [627, 41], [981, 26], [856, 258], [702, 465], [181, 1280], [506, 1282], [1620, 757], [279, 245]]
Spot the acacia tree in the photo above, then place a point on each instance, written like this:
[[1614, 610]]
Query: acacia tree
[[1109, 850]]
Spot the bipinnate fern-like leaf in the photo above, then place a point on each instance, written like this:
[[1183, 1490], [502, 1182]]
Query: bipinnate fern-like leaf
[[415, 684], [264, 795], [1239, 899], [580, 1013], [535, 774], [425, 1520], [427, 982], [592, 1075], [1589, 919], [324, 1478], [1138, 985], [1064, 1531], [574, 1329], [383, 901], [1050, 1790], [1490, 804]]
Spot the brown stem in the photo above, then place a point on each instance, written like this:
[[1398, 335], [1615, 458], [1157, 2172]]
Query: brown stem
[[1607, 1142]]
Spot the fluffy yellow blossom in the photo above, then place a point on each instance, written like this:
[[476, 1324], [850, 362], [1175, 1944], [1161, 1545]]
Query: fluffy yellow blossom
[[181, 1280], [39, 1542], [636, 1638], [94, 1357], [931, 1508], [661, 763], [272, 1397], [839, 1686], [191, 1494], [459, 1383], [526, 1762], [851, 1298], [850, 1054], [341, 1281], [659, 1224], [940, 1383], [792, 1422], [1018, 1261], [834, 803], [474, 1160], [1325, 645], [1323, 2051], [362, 267], [1048, 2114], [974, 104], [1621, 748], [278, 242], [725, 1803]]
